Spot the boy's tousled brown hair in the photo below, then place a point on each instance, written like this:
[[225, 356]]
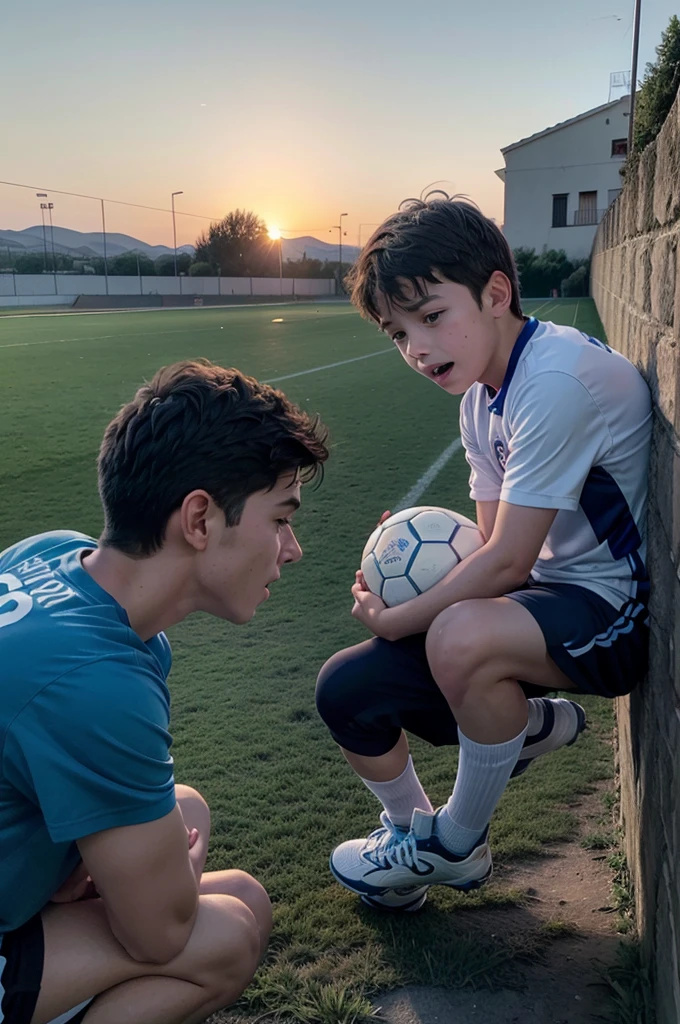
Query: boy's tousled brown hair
[[194, 426], [450, 236]]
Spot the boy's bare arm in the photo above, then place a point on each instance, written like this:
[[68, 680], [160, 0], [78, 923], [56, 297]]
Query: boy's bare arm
[[149, 887], [502, 565], [486, 517]]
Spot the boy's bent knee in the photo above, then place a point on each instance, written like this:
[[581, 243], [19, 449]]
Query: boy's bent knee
[[247, 889], [232, 946], [335, 686]]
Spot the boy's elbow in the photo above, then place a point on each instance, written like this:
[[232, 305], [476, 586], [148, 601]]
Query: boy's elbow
[[512, 570]]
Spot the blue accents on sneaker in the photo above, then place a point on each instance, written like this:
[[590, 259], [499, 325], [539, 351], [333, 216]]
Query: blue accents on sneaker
[[554, 732]]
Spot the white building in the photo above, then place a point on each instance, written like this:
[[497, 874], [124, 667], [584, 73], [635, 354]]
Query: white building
[[559, 182]]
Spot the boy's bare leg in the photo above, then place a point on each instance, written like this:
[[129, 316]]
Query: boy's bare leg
[[477, 651], [383, 768], [82, 957]]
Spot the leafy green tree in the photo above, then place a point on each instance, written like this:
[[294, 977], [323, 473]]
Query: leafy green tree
[[31, 263], [659, 87], [34, 262], [165, 265], [202, 269], [540, 273], [129, 264], [238, 246]]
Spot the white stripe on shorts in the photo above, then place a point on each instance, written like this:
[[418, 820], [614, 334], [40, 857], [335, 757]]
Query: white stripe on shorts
[[70, 1014]]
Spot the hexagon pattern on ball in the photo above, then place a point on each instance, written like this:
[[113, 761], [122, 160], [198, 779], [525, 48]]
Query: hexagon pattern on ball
[[414, 549]]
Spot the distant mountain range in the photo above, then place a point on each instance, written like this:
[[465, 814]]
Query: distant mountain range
[[87, 244]]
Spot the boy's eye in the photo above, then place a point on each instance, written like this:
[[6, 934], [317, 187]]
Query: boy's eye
[[398, 337], [284, 522], [431, 318]]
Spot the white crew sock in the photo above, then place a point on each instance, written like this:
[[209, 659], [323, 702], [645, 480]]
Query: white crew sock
[[402, 795], [483, 773], [535, 709]]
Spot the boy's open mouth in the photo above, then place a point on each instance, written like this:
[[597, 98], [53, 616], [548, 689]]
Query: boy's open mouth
[[440, 370]]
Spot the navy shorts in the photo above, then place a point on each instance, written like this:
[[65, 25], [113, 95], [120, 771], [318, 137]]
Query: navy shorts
[[368, 693], [22, 954]]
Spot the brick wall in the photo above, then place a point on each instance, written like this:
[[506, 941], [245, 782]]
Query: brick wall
[[636, 286]]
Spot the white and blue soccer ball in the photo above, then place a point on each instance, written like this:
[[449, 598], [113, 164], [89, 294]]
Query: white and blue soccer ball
[[414, 549]]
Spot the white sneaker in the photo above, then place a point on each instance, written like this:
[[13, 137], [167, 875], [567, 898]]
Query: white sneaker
[[563, 723], [392, 859], [409, 898]]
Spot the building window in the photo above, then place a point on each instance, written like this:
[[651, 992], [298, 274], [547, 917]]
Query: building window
[[619, 147], [613, 194], [559, 217], [587, 209]]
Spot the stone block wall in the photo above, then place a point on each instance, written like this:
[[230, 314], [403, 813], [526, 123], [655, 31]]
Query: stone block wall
[[636, 286]]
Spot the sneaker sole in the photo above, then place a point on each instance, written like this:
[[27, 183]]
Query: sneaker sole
[[522, 765], [407, 908], [474, 883]]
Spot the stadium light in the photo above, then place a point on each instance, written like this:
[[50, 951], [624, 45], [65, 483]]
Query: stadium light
[[174, 229], [43, 195], [338, 227]]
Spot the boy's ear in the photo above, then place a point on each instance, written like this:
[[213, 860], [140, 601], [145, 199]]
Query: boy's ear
[[497, 294]]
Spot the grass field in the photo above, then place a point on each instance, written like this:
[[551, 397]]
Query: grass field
[[245, 727]]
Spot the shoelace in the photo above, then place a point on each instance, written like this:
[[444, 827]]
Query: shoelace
[[397, 846]]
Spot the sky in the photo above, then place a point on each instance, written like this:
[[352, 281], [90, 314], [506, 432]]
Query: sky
[[299, 110]]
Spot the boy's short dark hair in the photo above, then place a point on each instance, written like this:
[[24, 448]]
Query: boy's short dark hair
[[198, 425], [448, 235]]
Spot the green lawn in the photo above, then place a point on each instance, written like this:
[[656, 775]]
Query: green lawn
[[245, 726]]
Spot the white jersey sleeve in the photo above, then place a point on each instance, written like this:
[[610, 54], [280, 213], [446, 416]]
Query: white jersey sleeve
[[485, 479], [558, 434]]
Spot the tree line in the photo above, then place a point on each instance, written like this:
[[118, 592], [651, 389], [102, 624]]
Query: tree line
[[237, 246]]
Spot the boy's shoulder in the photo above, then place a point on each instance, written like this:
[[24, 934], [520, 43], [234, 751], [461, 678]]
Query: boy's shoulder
[[57, 623]]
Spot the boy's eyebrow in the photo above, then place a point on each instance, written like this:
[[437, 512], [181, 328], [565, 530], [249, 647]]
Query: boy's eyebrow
[[292, 503], [415, 306]]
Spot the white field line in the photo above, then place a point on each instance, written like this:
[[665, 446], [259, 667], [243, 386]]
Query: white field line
[[60, 341], [535, 311], [573, 323], [160, 309], [328, 366], [428, 476]]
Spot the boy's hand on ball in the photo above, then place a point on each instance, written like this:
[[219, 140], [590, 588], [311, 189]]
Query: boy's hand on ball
[[370, 610]]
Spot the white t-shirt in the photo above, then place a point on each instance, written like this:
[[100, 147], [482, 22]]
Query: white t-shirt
[[569, 429]]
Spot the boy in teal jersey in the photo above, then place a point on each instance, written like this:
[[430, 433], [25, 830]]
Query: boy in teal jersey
[[106, 914]]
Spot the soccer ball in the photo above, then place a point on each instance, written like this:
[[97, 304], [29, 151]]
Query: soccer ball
[[414, 549]]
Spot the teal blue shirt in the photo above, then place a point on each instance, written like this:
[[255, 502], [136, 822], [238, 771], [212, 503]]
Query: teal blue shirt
[[84, 716]]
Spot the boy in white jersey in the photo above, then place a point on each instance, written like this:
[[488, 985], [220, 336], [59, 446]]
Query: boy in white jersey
[[556, 429]]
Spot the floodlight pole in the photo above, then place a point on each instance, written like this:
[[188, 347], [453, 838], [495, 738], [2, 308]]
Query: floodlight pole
[[49, 207], [340, 230], [174, 229], [106, 266], [281, 264], [43, 195], [339, 227], [633, 75]]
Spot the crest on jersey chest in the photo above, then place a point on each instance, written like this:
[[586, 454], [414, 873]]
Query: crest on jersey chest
[[500, 452]]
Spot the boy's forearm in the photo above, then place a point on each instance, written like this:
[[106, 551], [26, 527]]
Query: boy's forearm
[[488, 572]]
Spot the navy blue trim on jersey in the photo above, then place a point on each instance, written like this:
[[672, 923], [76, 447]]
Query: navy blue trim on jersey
[[608, 513], [596, 341], [523, 339]]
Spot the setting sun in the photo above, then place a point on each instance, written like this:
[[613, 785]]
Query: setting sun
[[274, 234]]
